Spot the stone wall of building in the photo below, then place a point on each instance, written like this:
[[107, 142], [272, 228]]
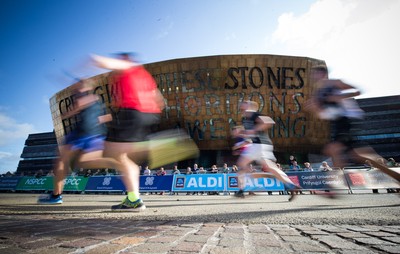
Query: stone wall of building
[[203, 96]]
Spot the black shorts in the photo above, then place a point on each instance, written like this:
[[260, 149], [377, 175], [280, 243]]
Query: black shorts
[[341, 132], [129, 125]]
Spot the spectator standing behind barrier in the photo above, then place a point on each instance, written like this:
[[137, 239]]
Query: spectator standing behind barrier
[[176, 171], [202, 170], [235, 169], [195, 168], [324, 166], [225, 169], [292, 159], [295, 166], [307, 167], [214, 169], [147, 171]]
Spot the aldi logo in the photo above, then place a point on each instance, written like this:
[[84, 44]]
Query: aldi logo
[[233, 182], [180, 182]]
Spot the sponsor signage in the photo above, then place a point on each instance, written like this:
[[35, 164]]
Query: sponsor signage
[[9, 183], [201, 182], [319, 180], [75, 183], [35, 183], [370, 179], [105, 183], [255, 184], [156, 183]]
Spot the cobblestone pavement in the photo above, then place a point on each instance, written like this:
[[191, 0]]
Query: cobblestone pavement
[[25, 228]]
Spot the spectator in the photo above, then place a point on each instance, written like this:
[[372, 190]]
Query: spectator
[[88, 173], [161, 172], [325, 167], [106, 172], [295, 166], [189, 171], [225, 169], [147, 171], [202, 170], [81, 172], [176, 171], [235, 169], [307, 167], [291, 160], [39, 173], [195, 168], [214, 169]]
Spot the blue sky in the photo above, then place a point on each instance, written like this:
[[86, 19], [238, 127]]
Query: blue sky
[[41, 38]]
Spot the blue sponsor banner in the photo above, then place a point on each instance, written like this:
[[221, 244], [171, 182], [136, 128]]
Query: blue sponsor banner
[[105, 183], [254, 184], [201, 182], [9, 183], [319, 180], [156, 183]]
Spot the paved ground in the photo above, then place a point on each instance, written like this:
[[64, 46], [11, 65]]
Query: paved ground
[[358, 223]]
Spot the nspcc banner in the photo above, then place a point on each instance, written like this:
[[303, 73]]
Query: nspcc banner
[[29, 183], [77, 183]]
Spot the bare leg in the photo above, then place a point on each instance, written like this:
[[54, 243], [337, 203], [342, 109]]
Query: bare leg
[[243, 164], [62, 168], [96, 159], [128, 169], [367, 153]]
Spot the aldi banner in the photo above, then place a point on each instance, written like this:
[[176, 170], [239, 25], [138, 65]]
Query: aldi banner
[[319, 180], [201, 182], [105, 183], [370, 179], [254, 184], [9, 183], [156, 183], [29, 183]]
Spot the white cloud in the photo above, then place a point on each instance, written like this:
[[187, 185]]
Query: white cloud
[[165, 32], [10, 130], [356, 38]]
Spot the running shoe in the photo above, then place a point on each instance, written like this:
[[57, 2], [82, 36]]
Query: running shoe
[[239, 194], [50, 200], [128, 205], [293, 193]]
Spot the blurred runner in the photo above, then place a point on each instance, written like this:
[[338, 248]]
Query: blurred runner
[[260, 150], [138, 106], [333, 101], [83, 146]]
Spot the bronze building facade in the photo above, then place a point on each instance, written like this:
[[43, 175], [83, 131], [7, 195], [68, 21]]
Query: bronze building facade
[[203, 95]]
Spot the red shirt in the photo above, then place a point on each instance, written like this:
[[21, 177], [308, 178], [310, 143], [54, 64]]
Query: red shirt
[[138, 90]]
